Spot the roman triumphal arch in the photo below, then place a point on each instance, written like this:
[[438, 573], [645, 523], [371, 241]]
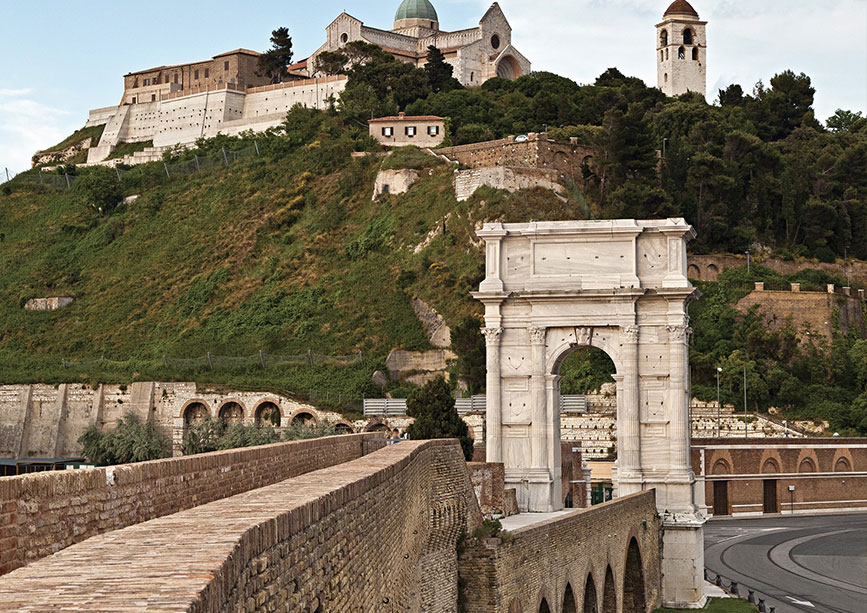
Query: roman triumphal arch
[[621, 286]]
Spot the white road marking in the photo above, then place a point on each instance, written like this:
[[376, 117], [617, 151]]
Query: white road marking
[[806, 603]]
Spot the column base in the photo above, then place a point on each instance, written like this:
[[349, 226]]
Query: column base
[[683, 561], [535, 490]]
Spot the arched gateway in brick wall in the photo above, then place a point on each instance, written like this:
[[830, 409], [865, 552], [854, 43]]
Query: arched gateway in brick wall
[[621, 286]]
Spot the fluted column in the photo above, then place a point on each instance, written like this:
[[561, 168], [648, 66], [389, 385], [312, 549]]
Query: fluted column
[[628, 415], [493, 396], [538, 437], [678, 407]]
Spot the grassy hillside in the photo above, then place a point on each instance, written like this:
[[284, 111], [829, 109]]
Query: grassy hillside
[[280, 272], [283, 254]]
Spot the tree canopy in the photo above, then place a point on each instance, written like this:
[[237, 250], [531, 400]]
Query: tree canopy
[[275, 61]]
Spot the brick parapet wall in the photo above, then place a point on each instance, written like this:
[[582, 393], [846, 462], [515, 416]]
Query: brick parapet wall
[[43, 513], [539, 561], [373, 534]]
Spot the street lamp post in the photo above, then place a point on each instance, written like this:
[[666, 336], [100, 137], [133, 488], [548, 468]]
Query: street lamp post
[[746, 425], [748, 261], [718, 413]]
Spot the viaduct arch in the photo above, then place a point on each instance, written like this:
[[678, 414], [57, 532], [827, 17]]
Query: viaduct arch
[[621, 286]]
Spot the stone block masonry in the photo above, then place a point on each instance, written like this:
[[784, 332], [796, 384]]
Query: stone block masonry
[[376, 534], [555, 559], [43, 513]]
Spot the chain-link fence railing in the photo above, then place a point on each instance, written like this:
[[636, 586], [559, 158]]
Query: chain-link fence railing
[[146, 174], [212, 361]]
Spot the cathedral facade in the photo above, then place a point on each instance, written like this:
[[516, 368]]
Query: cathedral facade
[[477, 54]]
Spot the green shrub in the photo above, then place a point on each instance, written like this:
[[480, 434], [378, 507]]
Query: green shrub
[[99, 189], [131, 440], [433, 409]]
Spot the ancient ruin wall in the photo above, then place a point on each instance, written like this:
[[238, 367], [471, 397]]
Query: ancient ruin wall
[[515, 573], [817, 310], [42, 513], [378, 534]]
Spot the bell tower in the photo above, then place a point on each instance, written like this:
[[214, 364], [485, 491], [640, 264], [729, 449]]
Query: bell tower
[[681, 51]]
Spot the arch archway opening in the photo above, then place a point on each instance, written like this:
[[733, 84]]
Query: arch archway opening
[[681, 53], [543, 607], [341, 428], [634, 600], [663, 38], [807, 466], [569, 605], [378, 427], [687, 36], [303, 420], [609, 593], [509, 68], [267, 414], [231, 414], [591, 600], [695, 54], [195, 414]]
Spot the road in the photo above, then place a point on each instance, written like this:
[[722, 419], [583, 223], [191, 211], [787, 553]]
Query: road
[[816, 563]]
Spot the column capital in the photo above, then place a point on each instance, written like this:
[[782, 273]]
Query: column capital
[[537, 335], [492, 335], [680, 333], [629, 333]]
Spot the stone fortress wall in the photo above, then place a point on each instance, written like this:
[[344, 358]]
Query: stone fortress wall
[[181, 118], [815, 310], [45, 421]]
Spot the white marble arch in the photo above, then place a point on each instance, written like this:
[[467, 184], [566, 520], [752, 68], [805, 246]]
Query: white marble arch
[[620, 286]]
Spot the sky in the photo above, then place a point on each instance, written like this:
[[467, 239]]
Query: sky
[[63, 58]]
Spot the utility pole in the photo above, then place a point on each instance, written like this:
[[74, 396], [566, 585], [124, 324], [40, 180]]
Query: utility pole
[[746, 425]]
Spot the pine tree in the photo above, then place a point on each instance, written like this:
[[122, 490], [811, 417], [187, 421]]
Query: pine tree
[[274, 62], [433, 409], [439, 72]]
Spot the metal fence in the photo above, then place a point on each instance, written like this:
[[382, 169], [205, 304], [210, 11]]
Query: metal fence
[[145, 174], [397, 406], [212, 361]]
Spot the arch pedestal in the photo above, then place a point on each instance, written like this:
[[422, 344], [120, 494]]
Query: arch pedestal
[[620, 286]]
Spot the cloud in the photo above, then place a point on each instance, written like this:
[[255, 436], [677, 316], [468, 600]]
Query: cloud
[[747, 40], [26, 126], [14, 92]]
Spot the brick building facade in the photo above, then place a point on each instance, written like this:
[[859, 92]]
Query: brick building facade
[[744, 477], [233, 70]]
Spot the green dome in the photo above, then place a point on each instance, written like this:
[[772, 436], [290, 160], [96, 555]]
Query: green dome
[[416, 9]]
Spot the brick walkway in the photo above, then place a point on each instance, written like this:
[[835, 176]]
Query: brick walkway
[[166, 564]]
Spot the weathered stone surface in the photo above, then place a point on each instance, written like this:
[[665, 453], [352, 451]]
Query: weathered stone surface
[[439, 334], [48, 304], [415, 365], [620, 286], [394, 182]]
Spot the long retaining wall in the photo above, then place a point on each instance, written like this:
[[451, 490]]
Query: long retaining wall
[[43, 513], [554, 559], [378, 534]]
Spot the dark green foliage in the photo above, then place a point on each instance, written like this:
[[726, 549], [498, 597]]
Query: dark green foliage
[[99, 189], [274, 62], [490, 528], [203, 437], [433, 408], [439, 72], [469, 345], [131, 440], [585, 371], [843, 121], [247, 435]]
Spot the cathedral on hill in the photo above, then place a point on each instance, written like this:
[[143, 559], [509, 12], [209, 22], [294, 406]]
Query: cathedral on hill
[[477, 54]]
